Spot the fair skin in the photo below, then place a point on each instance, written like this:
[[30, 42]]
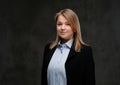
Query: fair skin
[[64, 30]]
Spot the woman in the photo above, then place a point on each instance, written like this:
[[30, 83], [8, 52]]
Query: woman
[[68, 60]]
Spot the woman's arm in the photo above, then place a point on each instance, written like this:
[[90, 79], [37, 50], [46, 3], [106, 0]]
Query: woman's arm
[[89, 68]]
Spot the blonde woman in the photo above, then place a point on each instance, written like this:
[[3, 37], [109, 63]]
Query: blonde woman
[[68, 60]]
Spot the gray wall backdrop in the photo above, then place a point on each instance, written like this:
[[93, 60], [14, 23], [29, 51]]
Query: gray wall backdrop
[[26, 26]]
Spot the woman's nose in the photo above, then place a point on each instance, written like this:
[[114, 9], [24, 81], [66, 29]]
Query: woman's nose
[[63, 26]]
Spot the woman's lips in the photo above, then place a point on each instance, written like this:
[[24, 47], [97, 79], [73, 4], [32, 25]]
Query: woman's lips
[[62, 32]]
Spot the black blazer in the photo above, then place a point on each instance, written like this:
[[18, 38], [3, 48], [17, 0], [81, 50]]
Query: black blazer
[[80, 68]]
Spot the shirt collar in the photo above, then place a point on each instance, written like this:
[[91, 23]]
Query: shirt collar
[[67, 44]]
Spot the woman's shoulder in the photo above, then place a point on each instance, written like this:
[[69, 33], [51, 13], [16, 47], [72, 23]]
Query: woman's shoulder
[[87, 50], [47, 45], [46, 48], [86, 47]]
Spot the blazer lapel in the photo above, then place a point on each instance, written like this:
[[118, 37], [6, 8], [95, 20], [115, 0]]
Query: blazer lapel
[[50, 53], [71, 53]]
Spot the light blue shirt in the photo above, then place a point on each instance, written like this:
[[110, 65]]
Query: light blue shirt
[[56, 74]]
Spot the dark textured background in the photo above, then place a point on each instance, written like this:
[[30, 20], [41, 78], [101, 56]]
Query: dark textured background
[[26, 26]]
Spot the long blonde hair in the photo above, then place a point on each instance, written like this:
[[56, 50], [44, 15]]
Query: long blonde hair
[[75, 25]]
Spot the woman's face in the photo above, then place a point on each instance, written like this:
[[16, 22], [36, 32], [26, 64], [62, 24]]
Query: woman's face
[[64, 30]]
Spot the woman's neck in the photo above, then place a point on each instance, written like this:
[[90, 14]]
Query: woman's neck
[[64, 41]]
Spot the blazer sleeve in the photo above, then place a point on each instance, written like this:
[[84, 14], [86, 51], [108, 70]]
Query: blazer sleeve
[[43, 73], [90, 67]]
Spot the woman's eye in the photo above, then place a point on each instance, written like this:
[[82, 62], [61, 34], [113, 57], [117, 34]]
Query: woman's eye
[[67, 24], [59, 24]]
